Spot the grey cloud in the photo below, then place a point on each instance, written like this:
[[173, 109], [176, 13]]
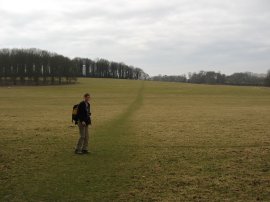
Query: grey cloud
[[168, 37]]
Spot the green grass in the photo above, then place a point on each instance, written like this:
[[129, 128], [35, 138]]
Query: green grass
[[150, 141]]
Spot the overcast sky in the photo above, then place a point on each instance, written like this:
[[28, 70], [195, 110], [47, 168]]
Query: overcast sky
[[161, 37]]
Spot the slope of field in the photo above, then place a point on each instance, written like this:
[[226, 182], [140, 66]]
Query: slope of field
[[150, 141]]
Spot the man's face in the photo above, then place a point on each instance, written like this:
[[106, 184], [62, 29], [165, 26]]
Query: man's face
[[87, 98]]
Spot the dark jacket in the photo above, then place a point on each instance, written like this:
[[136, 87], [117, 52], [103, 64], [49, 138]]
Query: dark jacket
[[84, 112]]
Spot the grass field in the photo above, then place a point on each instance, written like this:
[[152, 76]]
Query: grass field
[[150, 141]]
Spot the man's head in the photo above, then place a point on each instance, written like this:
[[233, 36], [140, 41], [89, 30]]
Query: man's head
[[86, 97]]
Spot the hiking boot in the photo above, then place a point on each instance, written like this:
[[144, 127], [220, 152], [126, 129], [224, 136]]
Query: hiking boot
[[85, 152], [77, 151]]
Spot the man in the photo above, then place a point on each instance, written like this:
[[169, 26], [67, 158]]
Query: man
[[84, 120]]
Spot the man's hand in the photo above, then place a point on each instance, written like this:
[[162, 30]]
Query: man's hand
[[83, 123]]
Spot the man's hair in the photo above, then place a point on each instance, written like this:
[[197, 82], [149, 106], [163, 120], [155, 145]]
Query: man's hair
[[86, 95]]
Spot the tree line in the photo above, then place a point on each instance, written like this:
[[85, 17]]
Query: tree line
[[40, 67], [34, 66], [211, 77], [102, 68]]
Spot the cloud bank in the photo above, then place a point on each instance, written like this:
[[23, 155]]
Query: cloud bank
[[162, 37]]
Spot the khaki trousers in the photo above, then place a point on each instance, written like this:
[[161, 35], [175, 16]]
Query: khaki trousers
[[84, 137]]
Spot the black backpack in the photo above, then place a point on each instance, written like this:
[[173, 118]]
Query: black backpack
[[75, 114]]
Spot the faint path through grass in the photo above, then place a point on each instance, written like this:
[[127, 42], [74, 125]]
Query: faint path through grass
[[115, 127], [109, 169], [54, 173]]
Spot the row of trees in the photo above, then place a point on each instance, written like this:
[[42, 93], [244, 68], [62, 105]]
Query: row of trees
[[34, 66], [39, 67], [102, 68], [267, 79], [211, 77], [171, 78]]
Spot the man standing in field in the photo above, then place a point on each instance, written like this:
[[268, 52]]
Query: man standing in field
[[84, 121]]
